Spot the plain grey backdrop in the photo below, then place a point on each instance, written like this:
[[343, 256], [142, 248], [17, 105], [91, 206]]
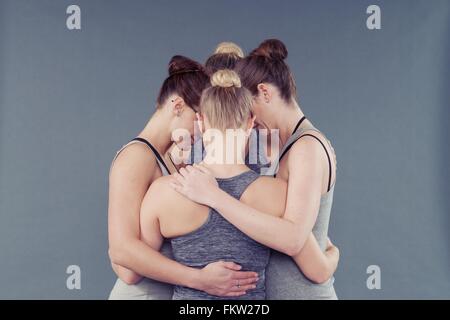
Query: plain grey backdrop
[[70, 99]]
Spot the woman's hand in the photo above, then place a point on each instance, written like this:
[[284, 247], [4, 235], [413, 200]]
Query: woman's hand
[[225, 279], [196, 183]]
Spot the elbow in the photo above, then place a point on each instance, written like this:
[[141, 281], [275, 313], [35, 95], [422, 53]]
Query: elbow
[[116, 254], [319, 277], [294, 243], [293, 248], [130, 278]]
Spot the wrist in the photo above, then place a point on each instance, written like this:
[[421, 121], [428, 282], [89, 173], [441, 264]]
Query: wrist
[[193, 279], [215, 198]]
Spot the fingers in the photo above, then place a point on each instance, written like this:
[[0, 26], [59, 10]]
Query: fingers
[[189, 169], [240, 275], [246, 282], [202, 168], [183, 172], [175, 186], [178, 177], [231, 266], [235, 294], [243, 288]]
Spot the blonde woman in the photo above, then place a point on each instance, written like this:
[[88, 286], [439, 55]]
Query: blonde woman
[[306, 163], [200, 235]]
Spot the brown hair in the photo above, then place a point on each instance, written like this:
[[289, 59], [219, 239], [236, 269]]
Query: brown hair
[[265, 64], [226, 55], [187, 78], [226, 104]]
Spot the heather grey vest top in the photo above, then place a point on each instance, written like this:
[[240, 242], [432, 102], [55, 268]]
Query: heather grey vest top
[[284, 280], [217, 239], [146, 289]]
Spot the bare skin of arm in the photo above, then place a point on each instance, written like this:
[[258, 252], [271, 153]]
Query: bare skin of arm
[[132, 258], [129, 180], [161, 200], [269, 194], [286, 234], [316, 265]]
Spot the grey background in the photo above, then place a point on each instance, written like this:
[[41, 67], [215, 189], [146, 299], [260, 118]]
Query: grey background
[[70, 99]]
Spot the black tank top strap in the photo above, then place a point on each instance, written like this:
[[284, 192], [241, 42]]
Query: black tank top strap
[[155, 152], [298, 124], [293, 132], [326, 152], [300, 135]]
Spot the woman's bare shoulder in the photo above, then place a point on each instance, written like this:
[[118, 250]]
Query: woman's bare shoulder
[[167, 198], [266, 194], [134, 163]]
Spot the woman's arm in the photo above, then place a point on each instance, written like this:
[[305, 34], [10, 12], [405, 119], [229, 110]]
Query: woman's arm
[[316, 265], [126, 275], [269, 195], [287, 234], [129, 181]]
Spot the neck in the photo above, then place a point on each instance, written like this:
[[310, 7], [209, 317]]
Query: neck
[[287, 120], [157, 133], [222, 161]]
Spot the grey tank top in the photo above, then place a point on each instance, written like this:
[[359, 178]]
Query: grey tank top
[[146, 289], [217, 239], [284, 280]]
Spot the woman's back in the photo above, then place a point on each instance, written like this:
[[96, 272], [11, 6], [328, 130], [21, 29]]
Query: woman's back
[[200, 235]]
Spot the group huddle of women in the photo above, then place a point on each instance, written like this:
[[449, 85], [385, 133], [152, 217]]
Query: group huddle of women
[[218, 229]]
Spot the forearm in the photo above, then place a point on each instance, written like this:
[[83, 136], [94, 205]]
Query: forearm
[[139, 257], [277, 233], [316, 265], [126, 275]]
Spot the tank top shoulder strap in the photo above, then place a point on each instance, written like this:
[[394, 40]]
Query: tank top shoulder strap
[[300, 132], [162, 165], [235, 186]]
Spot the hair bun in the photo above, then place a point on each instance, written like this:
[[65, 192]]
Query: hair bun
[[272, 49], [180, 64], [229, 48], [225, 78]]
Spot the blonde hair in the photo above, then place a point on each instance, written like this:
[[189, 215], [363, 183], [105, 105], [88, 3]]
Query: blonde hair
[[229, 48], [226, 104]]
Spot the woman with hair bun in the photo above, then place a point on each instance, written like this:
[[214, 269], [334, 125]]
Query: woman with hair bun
[[143, 272], [200, 235], [306, 162], [226, 55]]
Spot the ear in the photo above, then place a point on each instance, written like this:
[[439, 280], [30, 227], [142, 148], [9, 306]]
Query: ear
[[264, 92], [177, 105]]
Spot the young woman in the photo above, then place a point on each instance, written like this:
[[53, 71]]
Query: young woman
[[226, 55], [199, 235], [136, 166], [306, 162]]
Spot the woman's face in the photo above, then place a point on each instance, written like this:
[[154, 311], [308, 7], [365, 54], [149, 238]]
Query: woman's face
[[259, 110], [182, 124]]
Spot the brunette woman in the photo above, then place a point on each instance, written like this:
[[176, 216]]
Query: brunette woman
[[306, 163]]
